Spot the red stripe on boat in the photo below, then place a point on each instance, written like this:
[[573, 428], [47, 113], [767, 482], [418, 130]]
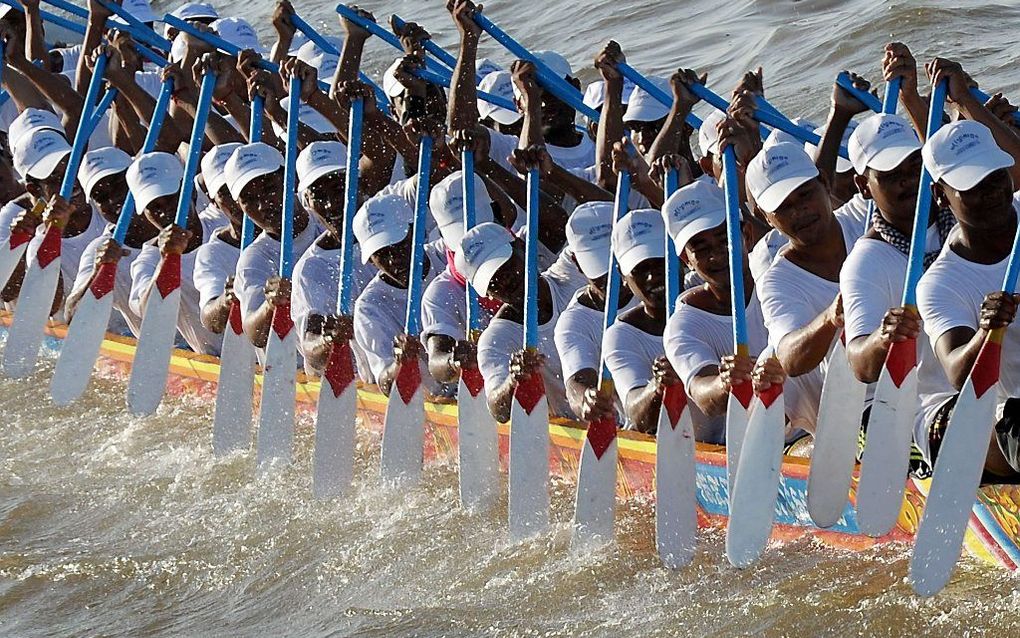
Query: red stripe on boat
[[235, 322], [49, 249], [339, 372], [282, 323], [902, 358], [985, 373], [102, 283], [768, 397], [530, 391], [674, 399], [169, 277], [408, 380], [743, 392], [473, 380], [17, 239], [601, 434]]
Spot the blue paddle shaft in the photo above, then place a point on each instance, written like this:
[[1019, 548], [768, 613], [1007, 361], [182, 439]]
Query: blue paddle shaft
[[81, 136], [867, 99], [344, 289], [531, 262], [445, 81], [983, 97], [441, 54], [78, 28], [673, 285], [660, 96], [301, 25], [290, 179], [375, 29], [151, 136], [205, 95], [736, 243], [138, 29], [412, 322], [467, 160], [892, 95], [613, 277], [258, 106], [915, 260]]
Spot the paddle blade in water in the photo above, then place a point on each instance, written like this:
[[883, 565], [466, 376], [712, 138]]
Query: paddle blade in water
[[333, 458], [528, 490], [34, 305], [676, 493], [886, 459], [595, 504], [84, 337], [957, 475], [156, 340], [477, 443], [234, 390], [279, 392], [756, 488], [403, 441], [737, 407], [834, 454]]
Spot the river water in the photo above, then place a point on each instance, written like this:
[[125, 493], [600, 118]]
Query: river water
[[117, 526]]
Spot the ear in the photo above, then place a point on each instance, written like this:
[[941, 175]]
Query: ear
[[861, 182], [706, 165], [938, 194]]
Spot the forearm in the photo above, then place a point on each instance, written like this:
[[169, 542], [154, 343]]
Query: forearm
[[867, 356], [315, 349], [257, 324], [917, 110], [57, 91], [610, 130], [577, 385], [671, 138], [802, 350], [651, 191], [500, 399], [462, 111], [93, 37], [23, 91], [350, 61], [172, 134], [643, 406], [828, 150], [960, 361], [216, 314], [35, 39], [710, 394], [531, 130], [128, 132], [581, 190]]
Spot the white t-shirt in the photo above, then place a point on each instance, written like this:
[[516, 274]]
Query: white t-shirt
[[407, 188], [630, 353], [189, 319], [444, 308], [260, 261], [122, 284], [578, 337], [71, 248], [380, 311], [215, 263], [572, 158], [504, 337]]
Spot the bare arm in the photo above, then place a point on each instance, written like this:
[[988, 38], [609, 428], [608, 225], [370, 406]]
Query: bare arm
[[463, 106], [35, 39], [802, 350]]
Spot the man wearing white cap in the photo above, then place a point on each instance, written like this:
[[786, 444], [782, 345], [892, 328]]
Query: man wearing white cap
[[238, 32], [495, 117], [578, 332], [383, 228], [645, 115], [155, 183], [254, 175], [959, 297], [492, 260]]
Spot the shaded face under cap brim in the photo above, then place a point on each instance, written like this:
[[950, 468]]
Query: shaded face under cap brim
[[313, 176], [890, 158], [688, 232], [965, 177], [381, 240], [94, 179], [242, 182], [487, 270], [503, 116], [773, 197]]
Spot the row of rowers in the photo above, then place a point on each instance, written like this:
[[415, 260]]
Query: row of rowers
[[813, 267]]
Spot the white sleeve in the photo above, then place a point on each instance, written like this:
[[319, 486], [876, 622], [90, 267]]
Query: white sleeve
[[864, 286], [250, 280], [375, 330], [497, 343], [686, 348], [627, 361], [313, 292], [210, 274], [143, 270], [500, 148], [87, 263], [784, 308], [575, 345], [439, 310], [944, 306]]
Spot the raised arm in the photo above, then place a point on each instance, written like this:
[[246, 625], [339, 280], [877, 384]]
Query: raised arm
[[354, 47], [898, 61], [94, 29], [285, 30], [843, 108], [610, 127], [463, 107], [35, 38]]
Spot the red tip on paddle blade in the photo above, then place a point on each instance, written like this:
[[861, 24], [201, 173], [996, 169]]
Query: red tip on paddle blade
[[339, 372], [282, 323], [674, 399], [473, 380], [601, 434], [103, 282], [769, 396], [985, 373], [530, 391], [408, 380], [169, 277], [901, 359], [234, 320], [743, 392], [18, 239], [49, 249]]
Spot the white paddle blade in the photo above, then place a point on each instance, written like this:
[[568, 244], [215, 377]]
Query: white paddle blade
[[478, 445], [886, 459], [956, 478], [839, 423], [84, 337], [11, 253], [756, 489], [151, 366], [403, 441], [676, 489], [528, 490], [737, 414], [279, 393], [333, 457], [595, 503], [34, 305], [234, 389]]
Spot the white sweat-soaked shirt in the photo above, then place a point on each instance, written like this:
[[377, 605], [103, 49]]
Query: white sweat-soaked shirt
[[444, 309], [215, 263], [121, 287], [260, 261], [572, 158], [630, 353]]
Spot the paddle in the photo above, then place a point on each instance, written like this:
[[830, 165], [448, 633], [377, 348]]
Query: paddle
[[477, 437], [594, 506], [85, 334], [159, 319], [984, 97], [333, 459], [275, 440], [660, 96], [403, 438], [528, 504], [961, 461], [441, 54], [347, 13], [42, 270], [886, 459], [236, 384], [839, 413], [676, 492], [79, 28]]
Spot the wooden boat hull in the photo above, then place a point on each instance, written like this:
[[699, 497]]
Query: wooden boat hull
[[993, 534]]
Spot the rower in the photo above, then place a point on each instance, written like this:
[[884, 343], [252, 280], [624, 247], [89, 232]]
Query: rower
[[494, 117], [492, 259], [578, 332], [383, 228], [155, 183]]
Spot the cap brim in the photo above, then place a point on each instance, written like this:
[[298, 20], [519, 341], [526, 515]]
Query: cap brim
[[698, 226], [487, 270], [43, 168], [94, 179], [313, 175], [593, 263], [772, 197], [498, 114], [644, 113], [152, 192], [970, 174], [238, 186], [889, 158], [630, 259], [380, 240]]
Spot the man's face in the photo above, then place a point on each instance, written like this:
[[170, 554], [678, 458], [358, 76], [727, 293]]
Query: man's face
[[228, 206], [261, 200], [989, 205], [707, 253], [507, 284], [161, 211], [805, 214], [325, 199], [895, 191], [108, 194], [557, 115], [395, 260], [642, 134], [49, 187], [648, 283]]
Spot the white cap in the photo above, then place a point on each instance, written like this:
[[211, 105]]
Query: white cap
[[213, 164], [446, 203], [308, 116], [590, 237], [5, 9], [777, 136], [482, 251], [247, 162], [139, 9], [881, 142], [776, 171], [642, 107], [695, 208], [39, 153], [154, 175], [238, 32], [498, 83], [178, 48], [640, 235], [708, 133], [963, 153], [323, 61], [842, 165], [556, 63], [486, 66], [390, 84], [318, 159], [100, 163], [595, 93], [195, 11], [382, 221], [31, 119], [69, 57]]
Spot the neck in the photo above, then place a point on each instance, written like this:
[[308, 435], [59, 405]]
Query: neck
[[986, 245]]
